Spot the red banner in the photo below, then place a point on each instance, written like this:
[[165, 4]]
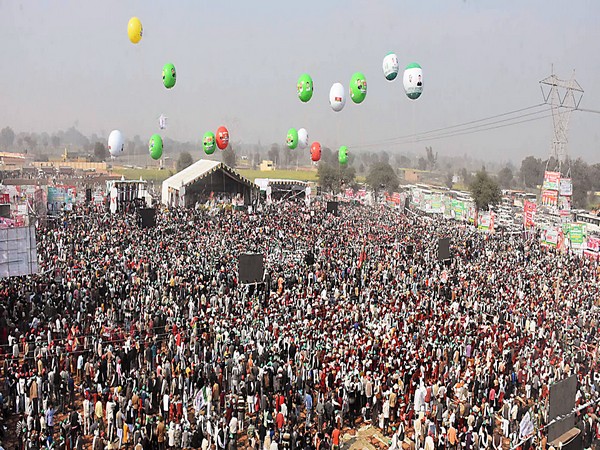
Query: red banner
[[529, 211], [550, 198], [593, 245]]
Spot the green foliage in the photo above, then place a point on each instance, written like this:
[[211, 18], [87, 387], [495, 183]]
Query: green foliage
[[532, 171], [582, 183], [334, 177], [185, 160], [431, 158], [229, 157], [448, 180], [7, 138], [100, 152], [466, 176], [382, 176], [505, 178], [485, 191]]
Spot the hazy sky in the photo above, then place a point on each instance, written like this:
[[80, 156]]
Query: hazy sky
[[67, 62]]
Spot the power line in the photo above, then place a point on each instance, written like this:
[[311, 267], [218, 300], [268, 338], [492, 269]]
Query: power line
[[460, 133], [476, 129], [460, 125], [588, 110]]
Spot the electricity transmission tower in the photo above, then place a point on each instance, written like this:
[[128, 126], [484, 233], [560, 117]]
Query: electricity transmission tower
[[563, 96]]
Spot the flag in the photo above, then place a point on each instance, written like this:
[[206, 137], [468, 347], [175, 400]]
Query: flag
[[363, 255]]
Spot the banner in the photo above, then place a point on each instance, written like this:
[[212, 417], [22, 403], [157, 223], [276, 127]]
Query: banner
[[4, 198], [62, 194], [566, 187], [551, 181], [550, 198], [436, 204], [576, 231], [550, 237], [529, 210], [593, 245], [564, 206], [18, 254], [485, 221]]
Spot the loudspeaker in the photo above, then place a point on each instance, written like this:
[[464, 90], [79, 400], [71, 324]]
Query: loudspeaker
[[562, 402], [147, 217], [5, 211], [406, 203], [410, 249], [88, 195], [332, 207], [250, 268], [444, 249]]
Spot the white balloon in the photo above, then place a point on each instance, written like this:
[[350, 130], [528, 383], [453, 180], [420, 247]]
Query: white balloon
[[337, 97], [391, 66], [162, 121], [413, 81], [116, 143], [302, 138]]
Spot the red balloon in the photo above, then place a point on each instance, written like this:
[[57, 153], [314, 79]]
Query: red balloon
[[222, 138], [315, 151]]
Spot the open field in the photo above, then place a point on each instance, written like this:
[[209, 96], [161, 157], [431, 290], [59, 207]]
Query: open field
[[302, 175], [146, 174]]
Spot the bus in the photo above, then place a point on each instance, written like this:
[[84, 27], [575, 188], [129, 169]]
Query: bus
[[593, 222]]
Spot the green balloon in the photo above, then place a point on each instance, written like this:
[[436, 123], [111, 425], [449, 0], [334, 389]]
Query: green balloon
[[305, 87], [155, 146], [358, 87], [343, 155], [292, 138], [169, 75], [209, 142]]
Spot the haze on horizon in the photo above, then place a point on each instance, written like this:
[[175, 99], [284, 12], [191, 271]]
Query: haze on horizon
[[237, 64]]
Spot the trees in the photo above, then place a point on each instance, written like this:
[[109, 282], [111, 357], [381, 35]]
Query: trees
[[7, 138], [402, 160], [55, 140], [431, 158], [274, 154], [485, 191], [448, 180], [100, 153], [582, 184], [229, 157], [333, 177], [505, 178], [382, 176], [532, 171], [466, 176], [185, 160]]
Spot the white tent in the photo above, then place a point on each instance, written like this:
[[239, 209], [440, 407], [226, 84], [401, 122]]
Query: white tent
[[202, 177]]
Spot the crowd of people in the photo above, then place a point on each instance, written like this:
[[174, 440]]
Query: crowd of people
[[146, 338]]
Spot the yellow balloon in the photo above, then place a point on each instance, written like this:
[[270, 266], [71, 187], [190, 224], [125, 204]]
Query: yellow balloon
[[134, 30]]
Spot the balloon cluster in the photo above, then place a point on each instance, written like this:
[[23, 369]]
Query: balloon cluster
[[413, 75], [116, 141], [211, 141]]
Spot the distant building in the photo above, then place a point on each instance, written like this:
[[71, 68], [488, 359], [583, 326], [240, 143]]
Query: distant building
[[412, 176], [267, 165], [13, 161], [62, 166]]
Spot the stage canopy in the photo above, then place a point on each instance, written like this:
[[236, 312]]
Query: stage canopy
[[206, 179]]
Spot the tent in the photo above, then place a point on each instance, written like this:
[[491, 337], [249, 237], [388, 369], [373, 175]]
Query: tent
[[202, 180]]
